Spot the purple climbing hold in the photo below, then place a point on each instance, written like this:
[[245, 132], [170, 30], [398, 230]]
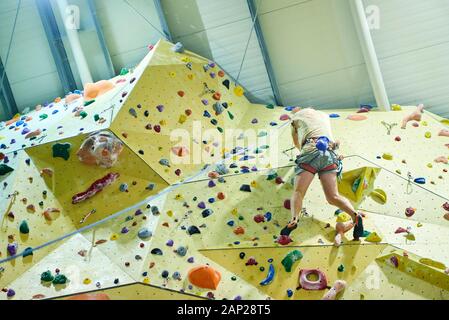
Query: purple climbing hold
[[139, 212], [160, 108], [12, 248], [202, 205], [205, 102], [254, 121], [10, 293], [191, 260], [211, 184], [170, 243], [125, 230]]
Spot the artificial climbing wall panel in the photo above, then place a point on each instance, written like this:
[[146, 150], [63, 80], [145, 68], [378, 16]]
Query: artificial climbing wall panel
[[69, 178], [345, 263], [174, 98]]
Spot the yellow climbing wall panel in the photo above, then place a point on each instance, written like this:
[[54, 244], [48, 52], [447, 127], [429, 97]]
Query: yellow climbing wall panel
[[353, 258], [71, 177]]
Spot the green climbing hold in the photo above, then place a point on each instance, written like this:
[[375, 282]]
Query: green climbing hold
[[88, 103], [124, 72], [83, 114], [61, 150], [96, 117], [47, 276], [341, 268], [220, 129], [27, 252], [290, 259], [23, 228], [231, 116], [4, 169], [272, 176], [241, 218], [43, 116], [270, 106], [60, 279]]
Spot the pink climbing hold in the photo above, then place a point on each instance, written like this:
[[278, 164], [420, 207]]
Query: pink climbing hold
[[251, 262], [401, 230], [446, 206], [284, 240], [409, 212], [284, 117]]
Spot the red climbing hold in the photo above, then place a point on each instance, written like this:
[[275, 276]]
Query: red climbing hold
[[259, 218], [239, 231], [178, 172], [157, 128], [284, 240], [181, 93], [251, 262], [221, 196], [279, 180], [221, 73], [287, 204]]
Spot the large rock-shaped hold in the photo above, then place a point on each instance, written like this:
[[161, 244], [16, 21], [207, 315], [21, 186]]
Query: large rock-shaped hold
[[204, 277], [290, 259], [94, 90], [102, 149], [4, 169]]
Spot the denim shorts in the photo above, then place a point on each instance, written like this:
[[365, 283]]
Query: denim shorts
[[318, 162]]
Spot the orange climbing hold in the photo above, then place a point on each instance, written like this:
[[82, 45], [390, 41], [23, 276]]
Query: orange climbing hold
[[180, 151], [94, 90], [204, 277], [239, 230], [217, 96]]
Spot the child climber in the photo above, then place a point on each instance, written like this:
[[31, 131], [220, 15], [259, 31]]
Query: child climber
[[312, 136]]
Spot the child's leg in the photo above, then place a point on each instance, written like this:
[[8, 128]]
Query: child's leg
[[302, 183]]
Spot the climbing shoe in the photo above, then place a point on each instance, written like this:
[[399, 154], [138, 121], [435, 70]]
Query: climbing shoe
[[358, 228]]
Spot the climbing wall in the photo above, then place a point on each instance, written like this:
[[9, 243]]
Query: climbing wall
[[170, 211]]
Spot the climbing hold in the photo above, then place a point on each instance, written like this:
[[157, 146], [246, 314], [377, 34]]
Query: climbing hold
[[284, 117], [341, 268], [420, 180], [312, 285], [178, 47], [157, 252], [259, 218], [24, 228], [27, 252], [95, 188], [245, 188], [47, 276], [60, 279], [226, 83], [287, 204], [4, 169], [207, 213], [238, 91], [251, 262], [164, 162], [387, 156], [204, 277], [10, 293], [357, 117], [61, 150], [181, 251], [101, 148], [193, 230], [379, 196], [218, 108], [409, 212], [144, 233], [12, 248], [284, 240], [338, 287], [239, 231], [373, 237], [428, 135], [270, 276], [290, 259]]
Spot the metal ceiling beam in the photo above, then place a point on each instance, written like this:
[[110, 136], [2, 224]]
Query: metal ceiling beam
[[51, 29], [263, 48], [101, 38], [6, 95], [164, 24]]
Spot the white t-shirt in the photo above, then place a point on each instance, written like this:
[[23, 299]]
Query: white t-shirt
[[312, 123]]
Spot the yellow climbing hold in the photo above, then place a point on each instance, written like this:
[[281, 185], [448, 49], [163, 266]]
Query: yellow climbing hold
[[254, 184], [238, 91], [445, 121], [379, 196], [146, 280], [428, 135], [114, 237], [424, 123], [410, 236], [234, 211], [373, 237], [163, 122], [433, 263], [87, 281], [387, 156], [170, 213], [172, 74], [178, 197], [429, 165], [398, 171], [190, 76], [343, 217], [185, 59], [396, 107], [182, 118], [419, 225]]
